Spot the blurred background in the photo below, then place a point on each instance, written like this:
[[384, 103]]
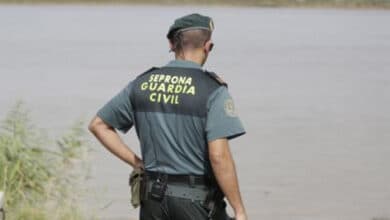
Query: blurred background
[[310, 79]]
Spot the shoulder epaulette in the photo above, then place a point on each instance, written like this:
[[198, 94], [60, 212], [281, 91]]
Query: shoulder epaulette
[[147, 71], [217, 78]]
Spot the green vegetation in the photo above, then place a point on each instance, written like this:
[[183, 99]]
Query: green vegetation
[[38, 175], [263, 3]]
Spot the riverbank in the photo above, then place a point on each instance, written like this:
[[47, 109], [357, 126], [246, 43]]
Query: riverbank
[[384, 4]]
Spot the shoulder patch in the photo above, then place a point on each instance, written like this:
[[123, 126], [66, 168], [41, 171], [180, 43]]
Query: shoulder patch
[[217, 78], [147, 71], [230, 110]]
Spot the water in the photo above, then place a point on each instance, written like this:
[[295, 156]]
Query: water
[[312, 87]]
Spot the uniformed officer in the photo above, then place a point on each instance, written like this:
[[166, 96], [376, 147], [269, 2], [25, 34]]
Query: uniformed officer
[[184, 117]]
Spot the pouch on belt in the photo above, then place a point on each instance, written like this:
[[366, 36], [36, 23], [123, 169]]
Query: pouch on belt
[[135, 185]]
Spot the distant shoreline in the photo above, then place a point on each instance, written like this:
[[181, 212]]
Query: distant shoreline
[[347, 4]]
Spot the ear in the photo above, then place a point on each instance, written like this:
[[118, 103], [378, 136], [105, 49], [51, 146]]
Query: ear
[[170, 46], [207, 46]]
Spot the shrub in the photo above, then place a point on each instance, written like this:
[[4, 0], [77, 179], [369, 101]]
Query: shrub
[[40, 176]]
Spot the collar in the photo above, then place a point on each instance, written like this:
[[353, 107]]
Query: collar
[[183, 64]]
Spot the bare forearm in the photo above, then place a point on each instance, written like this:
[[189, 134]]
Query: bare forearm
[[226, 176], [112, 142], [225, 172]]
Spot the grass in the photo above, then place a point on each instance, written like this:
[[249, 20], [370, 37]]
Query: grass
[[261, 3], [39, 175]]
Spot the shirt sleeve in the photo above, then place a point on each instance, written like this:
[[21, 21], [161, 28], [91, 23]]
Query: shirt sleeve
[[118, 112], [222, 119]]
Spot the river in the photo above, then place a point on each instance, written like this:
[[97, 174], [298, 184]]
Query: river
[[312, 87]]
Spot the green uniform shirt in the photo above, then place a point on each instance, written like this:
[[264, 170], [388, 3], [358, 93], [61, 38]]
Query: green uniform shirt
[[175, 143]]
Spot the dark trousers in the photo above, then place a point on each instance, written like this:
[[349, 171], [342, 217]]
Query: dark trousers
[[171, 208]]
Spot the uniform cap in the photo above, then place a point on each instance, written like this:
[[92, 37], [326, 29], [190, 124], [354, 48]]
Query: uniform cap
[[190, 22]]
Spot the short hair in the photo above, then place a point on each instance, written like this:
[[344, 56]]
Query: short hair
[[190, 39]]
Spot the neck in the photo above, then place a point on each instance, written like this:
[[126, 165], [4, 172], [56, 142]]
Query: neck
[[194, 57]]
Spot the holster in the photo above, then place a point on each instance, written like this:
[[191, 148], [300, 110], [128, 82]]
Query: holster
[[154, 188], [135, 182], [214, 201]]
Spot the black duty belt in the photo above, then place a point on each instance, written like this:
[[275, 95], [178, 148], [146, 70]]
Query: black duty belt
[[181, 191], [182, 179]]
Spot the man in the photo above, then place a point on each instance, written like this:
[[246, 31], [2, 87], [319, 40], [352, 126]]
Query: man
[[184, 117]]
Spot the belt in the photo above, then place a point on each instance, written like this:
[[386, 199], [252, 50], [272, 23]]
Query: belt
[[182, 191], [182, 179]]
